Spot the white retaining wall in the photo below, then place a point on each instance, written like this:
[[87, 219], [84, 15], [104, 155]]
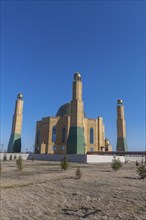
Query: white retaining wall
[[135, 158], [103, 158], [74, 158]]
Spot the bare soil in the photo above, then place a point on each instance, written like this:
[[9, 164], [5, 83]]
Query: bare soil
[[43, 191]]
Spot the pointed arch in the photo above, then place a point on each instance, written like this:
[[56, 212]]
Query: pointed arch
[[54, 134], [91, 136]]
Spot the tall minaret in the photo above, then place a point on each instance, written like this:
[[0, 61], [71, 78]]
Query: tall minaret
[[121, 127], [15, 138], [76, 140]]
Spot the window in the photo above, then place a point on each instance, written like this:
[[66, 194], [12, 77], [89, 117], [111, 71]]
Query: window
[[54, 134], [62, 148], [91, 148], [91, 136], [63, 134]]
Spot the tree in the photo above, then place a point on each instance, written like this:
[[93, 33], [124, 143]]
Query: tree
[[4, 157], [64, 164], [15, 157], [116, 164], [78, 173], [136, 163], [141, 169], [32, 158], [10, 158], [19, 163]]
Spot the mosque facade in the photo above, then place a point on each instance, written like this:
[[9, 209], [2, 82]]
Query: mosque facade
[[70, 131]]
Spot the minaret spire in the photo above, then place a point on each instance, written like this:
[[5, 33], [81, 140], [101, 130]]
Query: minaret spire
[[76, 142], [121, 127], [15, 138]]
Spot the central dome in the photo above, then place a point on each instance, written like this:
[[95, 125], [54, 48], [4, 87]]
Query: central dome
[[65, 110]]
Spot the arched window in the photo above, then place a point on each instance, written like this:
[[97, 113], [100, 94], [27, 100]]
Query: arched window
[[54, 134], [63, 134], [91, 136]]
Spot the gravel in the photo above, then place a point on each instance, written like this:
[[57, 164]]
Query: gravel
[[43, 191]]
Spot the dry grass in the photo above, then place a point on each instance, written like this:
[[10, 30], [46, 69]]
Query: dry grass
[[43, 191]]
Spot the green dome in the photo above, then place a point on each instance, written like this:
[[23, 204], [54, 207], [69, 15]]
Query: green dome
[[65, 110]]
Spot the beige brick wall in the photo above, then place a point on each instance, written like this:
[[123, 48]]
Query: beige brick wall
[[100, 133], [77, 113], [17, 117], [46, 128], [63, 122], [77, 90], [76, 119], [90, 123], [121, 124]]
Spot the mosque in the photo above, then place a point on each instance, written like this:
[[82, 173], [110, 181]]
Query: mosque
[[70, 131]]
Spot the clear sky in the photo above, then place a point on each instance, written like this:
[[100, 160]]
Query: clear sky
[[43, 43]]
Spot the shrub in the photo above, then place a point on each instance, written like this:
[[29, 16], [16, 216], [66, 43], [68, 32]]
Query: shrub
[[78, 173], [4, 157], [116, 164], [141, 169], [136, 163], [32, 158], [19, 163], [64, 164], [15, 157], [10, 158]]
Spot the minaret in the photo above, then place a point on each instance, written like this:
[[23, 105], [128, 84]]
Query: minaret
[[76, 141], [121, 127], [15, 138]]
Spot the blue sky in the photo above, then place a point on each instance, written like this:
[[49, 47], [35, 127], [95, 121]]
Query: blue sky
[[43, 43]]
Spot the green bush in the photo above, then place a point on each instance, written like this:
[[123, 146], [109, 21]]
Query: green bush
[[15, 157], [10, 158], [141, 169], [136, 163], [32, 158], [5, 157], [116, 164], [64, 164], [19, 163], [78, 173]]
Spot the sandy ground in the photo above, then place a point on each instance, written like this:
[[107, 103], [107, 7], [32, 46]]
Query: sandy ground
[[43, 191]]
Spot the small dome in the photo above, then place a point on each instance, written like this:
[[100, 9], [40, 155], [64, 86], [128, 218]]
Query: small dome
[[19, 96], [65, 110], [107, 142], [120, 102], [77, 76]]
